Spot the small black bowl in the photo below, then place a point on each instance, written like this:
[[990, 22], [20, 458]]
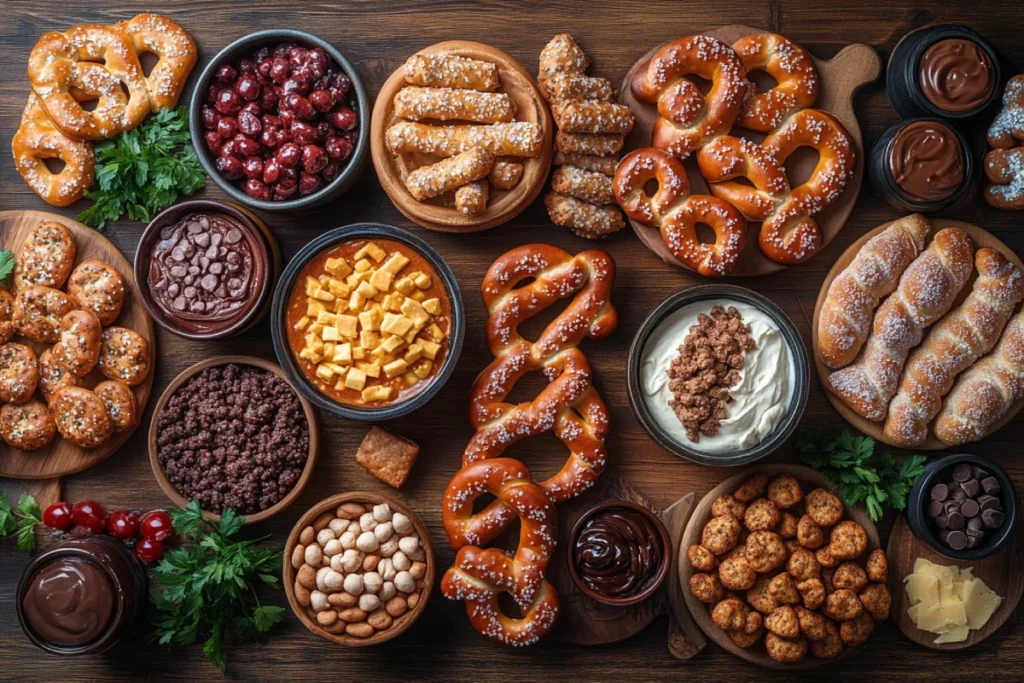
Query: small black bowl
[[250, 43], [787, 424], [940, 470], [279, 311]]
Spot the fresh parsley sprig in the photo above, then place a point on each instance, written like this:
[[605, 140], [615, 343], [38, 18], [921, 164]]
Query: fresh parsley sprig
[[143, 171], [861, 476], [6, 263], [208, 589], [20, 522]]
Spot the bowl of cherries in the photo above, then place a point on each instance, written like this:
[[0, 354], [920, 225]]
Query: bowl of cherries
[[144, 533], [278, 121]]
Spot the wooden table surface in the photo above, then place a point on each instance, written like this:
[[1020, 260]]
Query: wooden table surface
[[377, 37]]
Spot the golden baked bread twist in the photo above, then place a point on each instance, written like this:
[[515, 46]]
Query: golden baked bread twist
[[38, 139], [1004, 165]]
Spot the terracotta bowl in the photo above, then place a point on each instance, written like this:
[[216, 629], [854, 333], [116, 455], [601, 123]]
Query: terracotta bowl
[[158, 470], [325, 508]]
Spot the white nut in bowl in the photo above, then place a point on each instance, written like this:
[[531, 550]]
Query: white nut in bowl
[[386, 569], [334, 580], [367, 542], [368, 602], [351, 561], [383, 531], [401, 561], [367, 522], [372, 583], [354, 584], [337, 563], [418, 555], [338, 526], [404, 582], [324, 536], [318, 601], [408, 544], [389, 547], [387, 591], [348, 539], [321, 575], [333, 547], [353, 526], [382, 512], [402, 524], [313, 555]]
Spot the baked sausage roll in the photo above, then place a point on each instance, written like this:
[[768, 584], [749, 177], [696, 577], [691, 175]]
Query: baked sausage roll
[[28, 426], [124, 355], [119, 400], [53, 376], [98, 287], [81, 417], [19, 373], [7, 327], [79, 347], [38, 311], [46, 256]]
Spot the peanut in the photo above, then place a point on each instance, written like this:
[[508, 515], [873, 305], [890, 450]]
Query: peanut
[[360, 630], [298, 556], [318, 601], [396, 606], [342, 600], [349, 511], [306, 576], [323, 536], [307, 536], [352, 615], [314, 554], [327, 617], [413, 600], [417, 570], [380, 620], [322, 521], [302, 594]]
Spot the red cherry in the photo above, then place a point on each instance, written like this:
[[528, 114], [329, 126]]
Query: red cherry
[[252, 167], [58, 516], [230, 167], [331, 171], [227, 74], [122, 525], [249, 123], [157, 526], [279, 70], [288, 154], [303, 133], [308, 183], [322, 100], [210, 117], [247, 87], [148, 550], [271, 171], [247, 66], [89, 514], [344, 118], [227, 127], [285, 188], [313, 159], [228, 102], [213, 141], [257, 189], [338, 148]]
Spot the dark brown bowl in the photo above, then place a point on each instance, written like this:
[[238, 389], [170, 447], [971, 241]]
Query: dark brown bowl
[[666, 553], [266, 270]]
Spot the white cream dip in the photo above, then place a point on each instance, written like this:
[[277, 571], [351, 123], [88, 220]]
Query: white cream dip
[[759, 399]]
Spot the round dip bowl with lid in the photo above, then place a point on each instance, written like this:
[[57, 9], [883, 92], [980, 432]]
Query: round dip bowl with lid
[[768, 400], [205, 269]]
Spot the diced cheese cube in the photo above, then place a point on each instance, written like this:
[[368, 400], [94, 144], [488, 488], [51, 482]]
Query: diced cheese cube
[[413, 353], [405, 285], [329, 347], [422, 280], [301, 323], [371, 369], [410, 336], [335, 368], [410, 378], [432, 306], [395, 324], [312, 285], [331, 334], [377, 393], [378, 353], [358, 353], [415, 312], [392, 344], [370, 320], [367, 290], [374, 251], [326, 317], [435, 333], [423, 368], [337, 267], [430, 348], [395, 368], [393, 302], [316, 329], [343, 354], [340, 305], [347, 326], [362, 265], [314, 307], [355, 379], [418, 295], [356, 301], [324, 372], [395, 263], [369, 339], [381, 279], [338, 288], [307, 353], [323, 295]]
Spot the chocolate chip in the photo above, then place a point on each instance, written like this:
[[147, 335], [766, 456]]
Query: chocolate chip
[[935, 508], [189, 279], [178, 271], [956, 520], [975, 524], [971, 487], [204, 263], [970, 508], [993, 519], [942, 521], [234, 283], [991, 485], [197, 306], [203, 239], [234, 258], [233, 236], [962, 472], [217, 268], [194, 270], [940, 492], [190, 292], [174, 289], [952, 506], [212, 252], [957, 540], [989, 503], [180, 303], [975, 533], [194, 227], [205, 222], [973, 542], [980, 473], [209, 282], [217, 239], [178, 254], [958, 494]]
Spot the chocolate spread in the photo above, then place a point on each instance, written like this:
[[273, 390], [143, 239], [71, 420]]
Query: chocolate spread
[[926, 161], [618, 552], [69, 602], [956, 75]]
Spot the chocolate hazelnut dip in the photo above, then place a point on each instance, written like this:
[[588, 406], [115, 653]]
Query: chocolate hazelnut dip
[[926, 161], [956, 75], [618, 553], [69, 602]]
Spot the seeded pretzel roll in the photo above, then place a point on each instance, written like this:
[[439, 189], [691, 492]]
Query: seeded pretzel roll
[[53, 376], [120, 403], [451, 71], [38, 311], [99, 287], [592, 116], [587, 162], [28, 426], [471, 198], [449, 104], [124, 356], [46, 257], [585, 219], [79, 347], [593, 188], [448, 174], [175, 51], [7, 327], [19, 373], [796, 80], [517, 138], [505, 175], [81, 417]]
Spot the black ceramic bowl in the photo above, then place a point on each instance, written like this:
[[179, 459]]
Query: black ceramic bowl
[[244, 46], [940, 471], [712, 294], [279, 312]]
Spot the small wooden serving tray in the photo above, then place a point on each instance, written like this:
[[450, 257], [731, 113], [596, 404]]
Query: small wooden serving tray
[[841, 77], [440, 213], [982, 238]]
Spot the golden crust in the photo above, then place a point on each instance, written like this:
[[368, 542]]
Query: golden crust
[[81, 417], [843, 605], [788, 650], [124, 355], [19, 373], [721, 534], [45, 257], [99, 287], [785, 492], [79, 347], [38, 311], [761, 515], [119, 400], [765, 551], [28, 426], [7, 327], [824, 507]]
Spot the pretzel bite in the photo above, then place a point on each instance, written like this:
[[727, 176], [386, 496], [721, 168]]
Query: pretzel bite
[[471, 198], [809, 534], [744, 639], [53, 376], [38, 311], [736, 574], [577, 87], [754, 623], [876, 601], [588, 186], [592, 116], [28, 426], [119, 401], [730, 615], [449, 104], [824, 507], [448, 174], [752, 488], [877, 566], [761, 515], [124, 355], [720, 534], [788, 650], [587, 162], [759, 597], [585, 143], [451, 71], [7, 328], [812, 624], [783, 621], [831, 645], [850, 575], [843, 605], [785, 492], [791, 545], [586, 220], [98, 286], [706, 587], [562, 55], [802, 565], [726, 504], [825, 557], [701, 558], [857, 630], [765, 551], [81, 417], [505, 175], [45, 257], [848, 540], [783, 590], [19, 373], [79, 347], [812, 592], [787, 525]]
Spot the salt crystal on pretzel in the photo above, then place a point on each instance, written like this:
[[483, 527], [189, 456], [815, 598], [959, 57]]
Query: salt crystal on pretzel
[[505, 175], [451, 71], [593, 188], [592, 116], [586, 220], [471, 198], [587, 162], [517, 138], [583, 143], [448, 104], [448, 174]]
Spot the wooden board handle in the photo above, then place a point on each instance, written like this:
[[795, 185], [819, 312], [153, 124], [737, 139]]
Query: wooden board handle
[[859, 63], [685, 639]]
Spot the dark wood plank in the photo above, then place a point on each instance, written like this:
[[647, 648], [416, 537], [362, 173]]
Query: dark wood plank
[[377, 36]]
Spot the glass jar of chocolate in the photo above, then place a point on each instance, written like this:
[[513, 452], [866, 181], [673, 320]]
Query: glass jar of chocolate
[[923, 166], [82, 596], [948, 71]]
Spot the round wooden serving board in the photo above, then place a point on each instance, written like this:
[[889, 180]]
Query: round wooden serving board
[[982, 238], [440, 213], [842, 76], [60, 457], [809, 479], [1000, 572]]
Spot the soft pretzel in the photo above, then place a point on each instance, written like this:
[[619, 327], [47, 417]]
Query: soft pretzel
[[577, 87], [1004, 169], [451, 71], [471, 198], [587, 162], [593, 188], [1007, 129], [592, 116], [505, 175], [38, 139], [584, 143], [562, 56], [175, 51], [726, 158], [517, 138], [448, 104], [676, 212], [796, 78], [448, 174], [46, 256], [584, 219]]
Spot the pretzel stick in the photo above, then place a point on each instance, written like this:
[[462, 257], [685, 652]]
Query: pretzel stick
[[451, 71], [592, 116], [587, 162], [471, 199], [505, 174], [593, 188], [592, 221], [516, 139], [446, 104], [430, 181], [582, 143], [577, 87]]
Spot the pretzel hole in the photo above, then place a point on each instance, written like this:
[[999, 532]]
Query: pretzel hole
[[89, 105], [482, 501], [800, 165], [148, 60], [762, 80], [54, 165], [508, 606], [703, 84], [651, 187], [527, 388], [705, 233], [533, 327], [125, 90]]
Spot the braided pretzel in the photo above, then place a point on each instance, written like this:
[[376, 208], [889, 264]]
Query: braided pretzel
[[796, 78], [676, 212], [38, 139], [1004, 165], [176, 55]]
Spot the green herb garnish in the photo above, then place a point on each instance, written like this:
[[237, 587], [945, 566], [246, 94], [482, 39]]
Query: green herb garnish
[[6, 263], [143, 171], [861, 476], [22, 521], [208, 589]]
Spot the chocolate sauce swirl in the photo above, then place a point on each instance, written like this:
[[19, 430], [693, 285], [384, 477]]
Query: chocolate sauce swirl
[[956, 75], [618, 553], [69, 602], [926, 161]]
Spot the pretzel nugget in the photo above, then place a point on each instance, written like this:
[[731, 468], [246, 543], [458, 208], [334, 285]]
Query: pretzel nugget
[[606, 165], [505, 175], [582, 143], [448, 174], [577, 87], [586, 220], [515, 139], [562, 55], [592, 116], [451, 71], [593, 188], [447, 104], [471, 199]]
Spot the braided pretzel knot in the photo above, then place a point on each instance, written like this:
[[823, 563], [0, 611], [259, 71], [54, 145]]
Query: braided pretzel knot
[[1004, 165], [38, 139], [796, 78], [676, 212]]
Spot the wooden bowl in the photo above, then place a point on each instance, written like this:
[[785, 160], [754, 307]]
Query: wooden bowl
[[326, 508], [982, 238], [440, 213], [188, 373], [809, 479]]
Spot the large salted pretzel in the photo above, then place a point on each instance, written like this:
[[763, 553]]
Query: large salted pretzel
[[569, 406], [38, 139]]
